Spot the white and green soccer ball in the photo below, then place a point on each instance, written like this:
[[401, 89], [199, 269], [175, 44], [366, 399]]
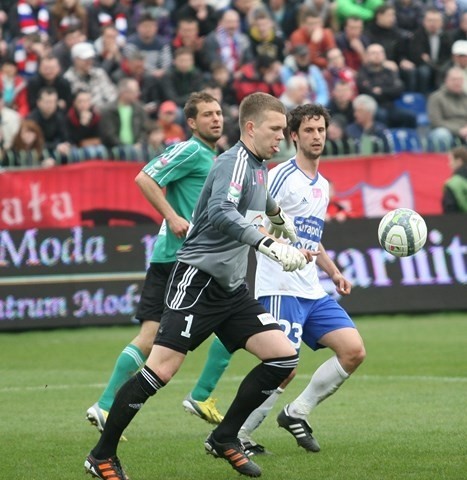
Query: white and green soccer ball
[[402, 232]]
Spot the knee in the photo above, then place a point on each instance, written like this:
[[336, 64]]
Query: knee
[[351, 359]]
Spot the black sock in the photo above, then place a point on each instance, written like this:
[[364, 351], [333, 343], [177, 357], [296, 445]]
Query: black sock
[[255, 388], [128, 401]]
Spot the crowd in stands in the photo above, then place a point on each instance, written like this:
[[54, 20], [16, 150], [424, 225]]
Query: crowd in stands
[[107, 79]]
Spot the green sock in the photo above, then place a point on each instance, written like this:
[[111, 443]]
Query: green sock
[[128, 363], [216, 363]]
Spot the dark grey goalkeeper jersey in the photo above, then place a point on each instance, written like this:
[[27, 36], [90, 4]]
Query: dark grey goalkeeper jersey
[[226, 218]]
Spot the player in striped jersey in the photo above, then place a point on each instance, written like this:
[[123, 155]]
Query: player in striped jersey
[[297, 300], [182, 170]]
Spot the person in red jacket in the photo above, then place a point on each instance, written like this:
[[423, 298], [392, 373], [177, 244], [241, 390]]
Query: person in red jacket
[[13, 87], [312, 33], [262, 75]]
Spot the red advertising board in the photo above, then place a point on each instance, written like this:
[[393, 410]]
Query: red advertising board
[[104, 192]]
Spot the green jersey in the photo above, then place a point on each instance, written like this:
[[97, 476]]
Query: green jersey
[[182, 170]]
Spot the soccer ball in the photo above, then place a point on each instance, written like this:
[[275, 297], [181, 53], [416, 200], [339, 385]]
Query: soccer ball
[[402, 232]]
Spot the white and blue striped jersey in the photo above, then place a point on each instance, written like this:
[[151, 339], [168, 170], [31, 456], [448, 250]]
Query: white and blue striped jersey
[[304, 200]]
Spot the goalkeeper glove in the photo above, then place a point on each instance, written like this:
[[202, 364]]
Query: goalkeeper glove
[[289, 257], [282, 225]]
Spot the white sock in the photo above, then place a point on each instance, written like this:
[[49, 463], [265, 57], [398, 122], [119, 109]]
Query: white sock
[[258, 415], [325, 381]]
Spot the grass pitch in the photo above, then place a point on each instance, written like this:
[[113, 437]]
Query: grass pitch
[[400, 416]]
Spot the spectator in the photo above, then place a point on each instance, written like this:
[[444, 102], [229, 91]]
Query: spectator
[[167, 120], [227, 44], [158, 56], [352, 42], [109, 49], [429, 49], [311, 33], [262, 75], [106, 12], [160, 11], [132, 66], [13, 88], [51, 121], [83, 121], [10, 121], [455, 188], [62, 49], [363, 9], [182, 78], [460, 33], [27, 52], [284, 14], [27, 149], [297, 92], [222, 76], [326, 9], [336, 131], [124, 121], [264, 37], [338, 71], [385, 86], [154, 145], [450, 10], [458, 59], [65, 14], [384, 31], [409, 15], [244, 9], [340, 105], [200, 11], [371, 136], [298, 63], [28, 16], [187, 35], [49, 75], [447, 109], [83, 75]]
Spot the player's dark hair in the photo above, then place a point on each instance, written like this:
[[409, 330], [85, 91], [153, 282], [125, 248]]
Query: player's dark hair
[[310, 110], [191, 106]]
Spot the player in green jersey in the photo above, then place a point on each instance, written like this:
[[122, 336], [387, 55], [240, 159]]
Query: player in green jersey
[[181, 169]]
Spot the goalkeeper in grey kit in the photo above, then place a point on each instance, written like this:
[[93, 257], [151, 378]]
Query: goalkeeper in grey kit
[[207, 292]]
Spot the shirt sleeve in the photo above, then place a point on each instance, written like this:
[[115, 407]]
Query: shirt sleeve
[[174, 163]]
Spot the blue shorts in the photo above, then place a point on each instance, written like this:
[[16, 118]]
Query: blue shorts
[[307, 320]]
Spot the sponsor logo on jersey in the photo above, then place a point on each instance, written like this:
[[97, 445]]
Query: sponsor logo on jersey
[[309, 228], [234, 192]]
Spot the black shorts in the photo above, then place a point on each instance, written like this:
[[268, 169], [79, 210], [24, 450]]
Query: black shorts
[[151, 303], [197, 306]]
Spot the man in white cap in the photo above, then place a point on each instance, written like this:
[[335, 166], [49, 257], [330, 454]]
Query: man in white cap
[[459, 58], [83, 75]]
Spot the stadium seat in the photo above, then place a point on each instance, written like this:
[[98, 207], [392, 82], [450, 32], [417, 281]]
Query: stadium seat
[[405, 140], [415, 102]]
